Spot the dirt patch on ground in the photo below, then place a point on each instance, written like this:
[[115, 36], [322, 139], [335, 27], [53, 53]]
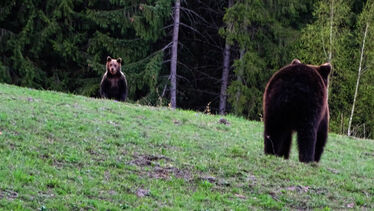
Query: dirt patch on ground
[[98, 157], [224, 121], [147, 160], [142, 192], [169, 172], [150, 166], [8, 194], [166, 171]]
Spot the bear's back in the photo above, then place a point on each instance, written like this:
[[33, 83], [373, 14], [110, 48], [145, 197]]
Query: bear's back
[[295, 91]]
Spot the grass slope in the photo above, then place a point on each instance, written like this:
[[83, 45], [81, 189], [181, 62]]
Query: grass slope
[[61, 151]]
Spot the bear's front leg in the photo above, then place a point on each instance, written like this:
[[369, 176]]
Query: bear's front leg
[[123, 91], [103, 92], [104, 88]]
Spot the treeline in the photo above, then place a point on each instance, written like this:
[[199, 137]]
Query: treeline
[[226, 50]]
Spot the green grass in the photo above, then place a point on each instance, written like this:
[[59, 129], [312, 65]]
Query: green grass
[[66, 152]]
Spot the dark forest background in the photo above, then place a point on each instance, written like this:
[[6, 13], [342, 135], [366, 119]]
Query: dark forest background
[[63, 44]]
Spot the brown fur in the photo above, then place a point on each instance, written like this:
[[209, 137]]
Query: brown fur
[[114, 84], [295, 99]]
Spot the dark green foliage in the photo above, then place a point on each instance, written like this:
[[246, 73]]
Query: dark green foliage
[[265, 32], [62, 45], [314, 47]]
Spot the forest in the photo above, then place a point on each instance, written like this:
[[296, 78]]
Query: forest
[[213, 56]]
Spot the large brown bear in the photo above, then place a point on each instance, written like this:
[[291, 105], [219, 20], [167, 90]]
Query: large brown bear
[[295, 100], [114, 84]]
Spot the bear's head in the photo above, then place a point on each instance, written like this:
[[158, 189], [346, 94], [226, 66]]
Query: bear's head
[[323, 70], [113, 66]]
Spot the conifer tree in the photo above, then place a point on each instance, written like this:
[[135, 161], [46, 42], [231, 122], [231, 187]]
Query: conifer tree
[[262, 33], [129, 29], [62, 45]]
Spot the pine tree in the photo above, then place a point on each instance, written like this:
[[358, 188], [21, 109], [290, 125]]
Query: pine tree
[[62, 45], [129, 29], [263, 33]]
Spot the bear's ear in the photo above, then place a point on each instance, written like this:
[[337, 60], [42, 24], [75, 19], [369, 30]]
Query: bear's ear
[[325, 70], [295, 61], [108, 59], [119, 60]]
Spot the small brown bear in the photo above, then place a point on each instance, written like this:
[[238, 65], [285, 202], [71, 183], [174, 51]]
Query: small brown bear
[[295, 100], [114, 84]]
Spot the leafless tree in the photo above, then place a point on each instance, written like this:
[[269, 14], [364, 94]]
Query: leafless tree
[[225, 74], [174, 55], [358, 79]]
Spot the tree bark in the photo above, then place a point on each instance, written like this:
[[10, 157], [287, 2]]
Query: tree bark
[[331, 44], [331, 27], [225, 75], [174, 56], [358, 80]]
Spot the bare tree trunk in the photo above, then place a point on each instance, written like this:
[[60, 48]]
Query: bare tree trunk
[[225, 75], [358, 79], [174, 56], [331, 44], [331, 27]]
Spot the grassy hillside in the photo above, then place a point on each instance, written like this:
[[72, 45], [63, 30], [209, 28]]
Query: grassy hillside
[[61, 151]]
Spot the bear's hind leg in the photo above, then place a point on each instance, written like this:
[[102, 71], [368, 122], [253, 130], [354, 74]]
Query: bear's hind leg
[[269, 145], [286, 144], [278, 142], [321, 138], [306, 141]]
